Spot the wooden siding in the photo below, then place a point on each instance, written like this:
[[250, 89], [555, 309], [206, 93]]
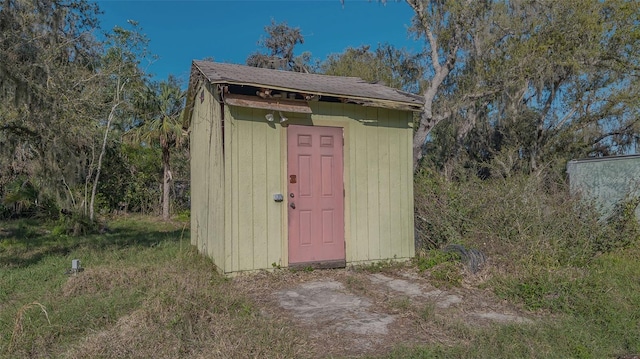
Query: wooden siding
[[207, 178], [378, 179], [254, 174], [199, 141], [236, 222]]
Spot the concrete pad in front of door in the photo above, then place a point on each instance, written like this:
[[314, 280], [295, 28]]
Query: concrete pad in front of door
[[328, 304], [442, 299]]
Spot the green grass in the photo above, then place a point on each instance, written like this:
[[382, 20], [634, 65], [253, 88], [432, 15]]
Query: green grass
[[145, 292]]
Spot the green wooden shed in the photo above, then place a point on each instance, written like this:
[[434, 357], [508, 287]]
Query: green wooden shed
[[294, 170], [606, 181]]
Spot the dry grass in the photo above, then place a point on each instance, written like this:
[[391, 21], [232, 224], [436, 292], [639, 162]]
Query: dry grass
[[187, 312], [143, 294], [17, 326], [146, 293]]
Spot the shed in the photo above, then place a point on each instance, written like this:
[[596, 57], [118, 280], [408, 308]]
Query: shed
[[606, 181], [296, 170]]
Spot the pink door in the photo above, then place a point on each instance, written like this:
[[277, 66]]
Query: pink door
[[315, 195]]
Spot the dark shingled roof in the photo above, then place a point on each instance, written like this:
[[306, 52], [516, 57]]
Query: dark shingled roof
[[338, 86]]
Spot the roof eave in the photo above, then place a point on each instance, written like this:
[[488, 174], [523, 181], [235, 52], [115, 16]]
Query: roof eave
[[364, 101], [399, 105]]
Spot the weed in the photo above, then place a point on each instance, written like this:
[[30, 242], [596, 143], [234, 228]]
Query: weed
[[446, 275], [623, 221], [356, 284], [18, 323], [304, 269], [183, 215], [380, 266], [428, 311], [431, 258], [401, 304]]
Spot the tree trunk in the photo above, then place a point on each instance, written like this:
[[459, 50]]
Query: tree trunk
[[427, 119], [420, 137], [165, 182], [99, 167]]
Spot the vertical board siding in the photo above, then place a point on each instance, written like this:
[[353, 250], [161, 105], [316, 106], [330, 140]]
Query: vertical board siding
[[380, 192], [229, 190], [396, 223], [361, 183], [382, 195], [257, 233], [408, 208], [351, 113], [405, 184], [232, 177], [373, 189], [275, 184], [206, 129], [352, 249], [244, 207], [215, 227], [384, 184], [198, 175], [237, 223], [207, 179], [259, 178]]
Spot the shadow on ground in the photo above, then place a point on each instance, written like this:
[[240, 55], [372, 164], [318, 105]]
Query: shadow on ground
[[26, 242]]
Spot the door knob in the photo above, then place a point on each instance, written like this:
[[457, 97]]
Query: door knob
[[292, 205]]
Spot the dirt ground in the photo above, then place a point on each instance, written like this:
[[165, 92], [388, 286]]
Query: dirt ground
[[350, 312]]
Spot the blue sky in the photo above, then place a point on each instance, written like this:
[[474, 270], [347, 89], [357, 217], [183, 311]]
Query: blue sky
[[228, 31]]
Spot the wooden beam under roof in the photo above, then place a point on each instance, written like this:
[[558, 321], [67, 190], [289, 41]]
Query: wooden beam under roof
[[276, 104]]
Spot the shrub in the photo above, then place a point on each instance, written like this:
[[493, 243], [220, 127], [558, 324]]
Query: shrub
[[75, 224], [546, 250], [522, 219], [623, 227], [446, 275], [23, 198]]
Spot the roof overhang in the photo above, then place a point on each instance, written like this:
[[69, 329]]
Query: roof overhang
[[363, 101], [267, 103], [345, 90]]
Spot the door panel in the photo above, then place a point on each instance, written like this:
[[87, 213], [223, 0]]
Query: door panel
[[315, 194]]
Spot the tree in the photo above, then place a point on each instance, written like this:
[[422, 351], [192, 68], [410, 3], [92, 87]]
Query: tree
[[560, 83], [454, 31], [122, 79], [162, 125], [533, 77], [279, 47], [47, 62], [393, 67]]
